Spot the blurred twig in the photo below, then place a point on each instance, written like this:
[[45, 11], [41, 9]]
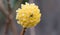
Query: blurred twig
[[9, 18], [4, 11]]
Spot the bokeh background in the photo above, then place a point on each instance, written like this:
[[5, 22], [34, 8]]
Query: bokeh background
[[50, 20]]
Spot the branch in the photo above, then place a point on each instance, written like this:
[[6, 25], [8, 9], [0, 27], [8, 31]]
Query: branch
[[9, 18], [2, 8], [14, 28]]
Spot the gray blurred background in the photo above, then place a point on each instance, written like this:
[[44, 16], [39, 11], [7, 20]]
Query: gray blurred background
[[50, 20]]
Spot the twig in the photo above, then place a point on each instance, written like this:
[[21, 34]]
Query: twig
[[9, 18], [23, 31], [2, 8], [11, 21]]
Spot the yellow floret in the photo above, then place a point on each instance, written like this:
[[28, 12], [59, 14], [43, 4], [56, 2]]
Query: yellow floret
[[28, 15]]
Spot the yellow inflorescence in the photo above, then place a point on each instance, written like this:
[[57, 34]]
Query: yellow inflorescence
[[28, 15]]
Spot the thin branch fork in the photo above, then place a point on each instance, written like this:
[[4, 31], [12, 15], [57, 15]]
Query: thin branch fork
[[9, 18]]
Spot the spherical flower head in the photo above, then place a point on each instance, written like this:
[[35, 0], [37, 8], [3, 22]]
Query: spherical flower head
[[28, 15]]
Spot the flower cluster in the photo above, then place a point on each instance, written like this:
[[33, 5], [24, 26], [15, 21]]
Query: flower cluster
[[28, 15]]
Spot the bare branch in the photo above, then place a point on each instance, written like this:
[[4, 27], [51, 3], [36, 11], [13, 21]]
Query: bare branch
[[2, 8], [9, 17]]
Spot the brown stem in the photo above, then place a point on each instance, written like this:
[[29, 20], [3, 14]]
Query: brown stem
[[23, 31]]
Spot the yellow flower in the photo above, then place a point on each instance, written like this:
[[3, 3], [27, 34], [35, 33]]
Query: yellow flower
[[28, 15]]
